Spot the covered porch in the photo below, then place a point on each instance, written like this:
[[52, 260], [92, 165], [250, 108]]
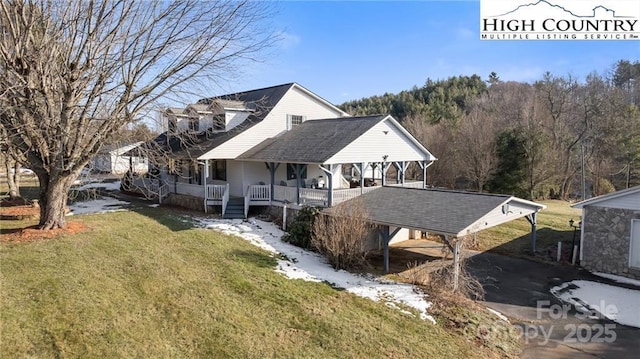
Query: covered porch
[[326, 162]]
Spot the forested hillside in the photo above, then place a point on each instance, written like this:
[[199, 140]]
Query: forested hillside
[[526, 139]]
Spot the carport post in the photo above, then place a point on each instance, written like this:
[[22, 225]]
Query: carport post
[[386, 238], [456, 263], [532, 219]]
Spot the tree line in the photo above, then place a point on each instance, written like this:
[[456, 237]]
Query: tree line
[[553, 138]]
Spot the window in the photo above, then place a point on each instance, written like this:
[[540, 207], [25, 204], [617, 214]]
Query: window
[[219, 122], [291, 171], [194, 124], [219, 170], [194, 174], [173, 126], [294, 120]]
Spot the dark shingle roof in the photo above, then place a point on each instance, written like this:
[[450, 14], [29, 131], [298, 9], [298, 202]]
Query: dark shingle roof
[[431, 210], [185, 146], [263, 100], [313, 141]]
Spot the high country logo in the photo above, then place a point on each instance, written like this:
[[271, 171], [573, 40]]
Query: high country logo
[[560, 20]]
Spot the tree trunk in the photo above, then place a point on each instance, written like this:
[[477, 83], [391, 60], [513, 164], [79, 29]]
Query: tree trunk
[[13, 179], [53, 200]]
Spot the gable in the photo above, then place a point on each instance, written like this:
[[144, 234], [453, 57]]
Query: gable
[[630, 201], [296, 101], [386, 138]]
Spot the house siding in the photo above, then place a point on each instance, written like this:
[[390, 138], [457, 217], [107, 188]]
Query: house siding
[[383, 139], [606, 240], [235, 178], [630, 201], [294, 102]]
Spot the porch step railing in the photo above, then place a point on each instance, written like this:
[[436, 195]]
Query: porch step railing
[[215, 192], [225, 198]]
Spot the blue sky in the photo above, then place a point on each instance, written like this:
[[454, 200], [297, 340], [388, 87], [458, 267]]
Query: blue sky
[[345, 50]]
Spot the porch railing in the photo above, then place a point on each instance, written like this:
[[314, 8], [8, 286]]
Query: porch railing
[[316, 197], [259, 193], [282, 193], [225, 198], [412, 184], [341, 195], [190, 189], [215, 192]]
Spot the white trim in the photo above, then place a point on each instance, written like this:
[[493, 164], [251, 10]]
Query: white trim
[[604, 197]]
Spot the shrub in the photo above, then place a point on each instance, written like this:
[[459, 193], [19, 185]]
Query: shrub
[[340, 236], [299, 231]]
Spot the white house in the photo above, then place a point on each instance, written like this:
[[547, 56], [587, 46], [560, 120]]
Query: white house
[[281, 144], [116, 160]]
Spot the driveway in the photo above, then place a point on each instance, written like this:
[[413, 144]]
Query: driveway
[[520, 289]]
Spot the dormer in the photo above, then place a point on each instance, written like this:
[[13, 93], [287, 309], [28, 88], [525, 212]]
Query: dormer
[[227, 114], [175, 116], [199, 118]]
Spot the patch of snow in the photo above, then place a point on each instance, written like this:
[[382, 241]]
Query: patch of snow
[[621, 305], [154, 205], [109, 186], [618, 278], [498, 314], [98, 205], [309, 266]]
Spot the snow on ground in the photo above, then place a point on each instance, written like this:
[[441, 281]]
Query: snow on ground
[[305, 265], [109, 186], [618, 278], [621, 305], [98, 205], [498, 314]]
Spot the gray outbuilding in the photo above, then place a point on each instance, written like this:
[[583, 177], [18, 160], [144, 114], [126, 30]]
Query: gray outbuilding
[[610, 233]]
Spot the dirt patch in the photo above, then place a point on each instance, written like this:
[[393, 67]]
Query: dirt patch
[[33, 234], [16, 211]]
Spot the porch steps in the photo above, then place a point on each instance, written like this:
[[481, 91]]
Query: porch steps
[[235, 208]]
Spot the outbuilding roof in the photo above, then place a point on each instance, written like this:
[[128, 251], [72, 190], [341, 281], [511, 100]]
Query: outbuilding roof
[[441, 211], [605, 198]]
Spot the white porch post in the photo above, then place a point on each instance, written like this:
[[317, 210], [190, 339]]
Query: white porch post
[[329, 173], [298, 170], [423, 166], [205, 174], [363, 169]]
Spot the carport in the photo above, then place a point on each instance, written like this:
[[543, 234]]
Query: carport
[[449, 213]]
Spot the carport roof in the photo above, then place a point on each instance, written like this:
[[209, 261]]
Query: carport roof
[[441, 211]]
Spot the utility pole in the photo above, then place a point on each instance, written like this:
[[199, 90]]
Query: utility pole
[[584, 190]]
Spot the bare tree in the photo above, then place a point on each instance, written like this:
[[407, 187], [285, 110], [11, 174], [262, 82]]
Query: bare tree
[[73, 73], [477, 143]]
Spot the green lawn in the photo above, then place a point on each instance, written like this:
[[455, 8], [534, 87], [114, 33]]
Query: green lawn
[[145, 284], [514, 238]]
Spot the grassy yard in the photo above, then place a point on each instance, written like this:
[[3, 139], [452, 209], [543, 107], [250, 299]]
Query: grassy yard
[[144, 283], [514, 238]]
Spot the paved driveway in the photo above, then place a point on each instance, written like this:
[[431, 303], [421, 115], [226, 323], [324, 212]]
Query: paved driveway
[[520, 289]]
